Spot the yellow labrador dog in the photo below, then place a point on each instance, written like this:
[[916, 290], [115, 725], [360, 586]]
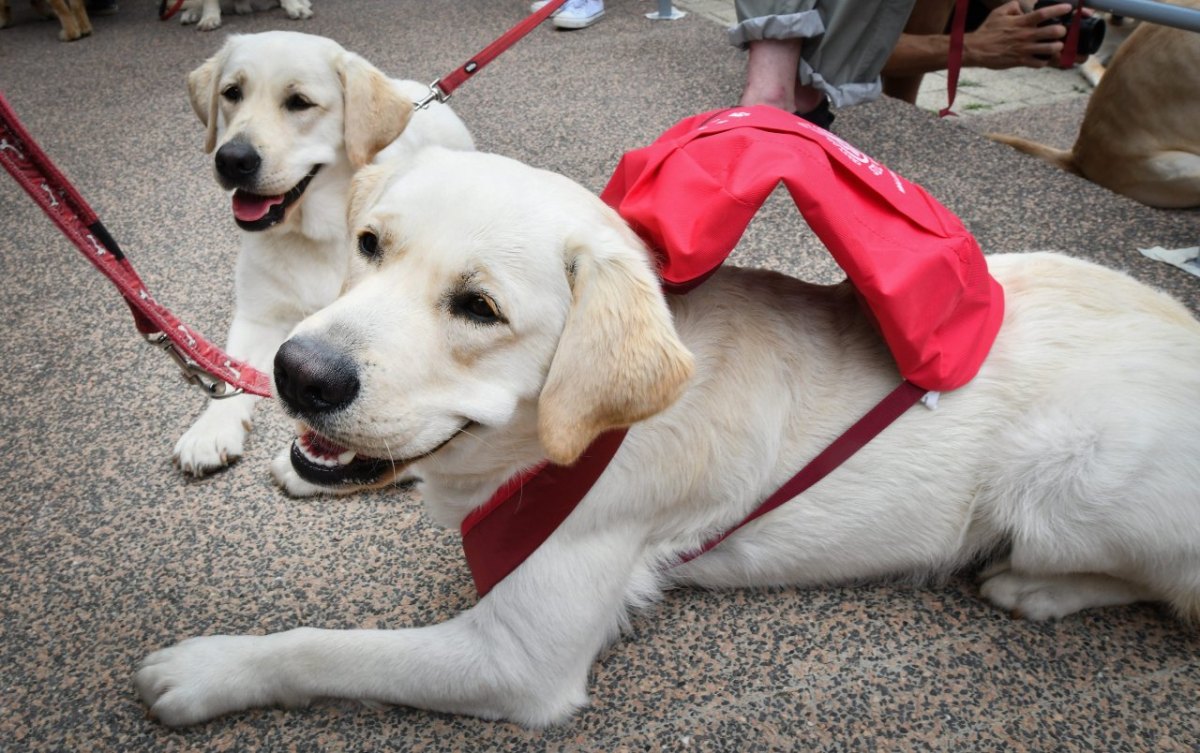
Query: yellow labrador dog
[[1139, 136], [289, 118], [503, 315]]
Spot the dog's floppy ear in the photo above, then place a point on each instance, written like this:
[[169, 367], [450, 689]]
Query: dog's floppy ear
[[375, 113], [202, 92], [364, 189], [618, 359]]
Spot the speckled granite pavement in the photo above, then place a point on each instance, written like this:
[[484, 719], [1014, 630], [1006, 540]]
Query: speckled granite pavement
[[107, 552]]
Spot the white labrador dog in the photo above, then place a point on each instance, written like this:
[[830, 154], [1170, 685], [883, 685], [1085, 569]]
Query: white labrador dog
[[290, 117], [504, 315]]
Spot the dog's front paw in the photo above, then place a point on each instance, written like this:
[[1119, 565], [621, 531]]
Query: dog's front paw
[[208, 23], [297, 9], [189, 16], [202, 678], [213, 442]]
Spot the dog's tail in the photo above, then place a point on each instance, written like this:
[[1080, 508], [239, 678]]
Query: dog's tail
[[1061, 158]]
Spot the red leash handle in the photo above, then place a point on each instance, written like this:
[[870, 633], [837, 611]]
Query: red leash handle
[[203, 363], [444, 87]]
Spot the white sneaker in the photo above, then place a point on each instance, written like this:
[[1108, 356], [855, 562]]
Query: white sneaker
[[579, 14]]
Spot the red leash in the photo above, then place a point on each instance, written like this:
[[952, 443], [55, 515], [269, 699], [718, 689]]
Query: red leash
[[165, 13], [957, 36], [441, 89], [203, 364]]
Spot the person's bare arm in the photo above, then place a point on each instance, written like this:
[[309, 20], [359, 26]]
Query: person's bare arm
[[1009, 37]]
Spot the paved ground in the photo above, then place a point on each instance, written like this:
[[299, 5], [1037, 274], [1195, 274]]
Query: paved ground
[[108, 553]]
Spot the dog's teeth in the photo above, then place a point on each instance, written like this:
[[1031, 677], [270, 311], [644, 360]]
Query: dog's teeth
[[346, 457]]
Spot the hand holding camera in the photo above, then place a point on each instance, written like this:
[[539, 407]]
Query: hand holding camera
[[1010, 37]]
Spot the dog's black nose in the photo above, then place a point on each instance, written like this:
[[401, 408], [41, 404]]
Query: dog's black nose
[[312, 376], [237, 161]]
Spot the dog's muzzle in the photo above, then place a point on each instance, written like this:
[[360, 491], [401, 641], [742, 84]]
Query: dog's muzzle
[[254, 212]]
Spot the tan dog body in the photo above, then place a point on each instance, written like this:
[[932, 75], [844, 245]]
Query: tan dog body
[[501, 315], [1139, 135]]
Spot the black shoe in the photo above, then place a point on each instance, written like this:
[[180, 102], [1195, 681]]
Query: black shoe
[[819, 115]]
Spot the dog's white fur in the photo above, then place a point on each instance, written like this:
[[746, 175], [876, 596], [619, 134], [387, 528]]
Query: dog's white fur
[[206, 14], [299, 266], [1068, 454]]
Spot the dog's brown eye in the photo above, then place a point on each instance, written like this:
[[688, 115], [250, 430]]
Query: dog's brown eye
[[232, 93], [368, 245], [296, 103], [478, 307]]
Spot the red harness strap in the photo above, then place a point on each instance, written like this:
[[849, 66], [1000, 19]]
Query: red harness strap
[[839, 451], [501, 534], [513, 523], [203, 363]]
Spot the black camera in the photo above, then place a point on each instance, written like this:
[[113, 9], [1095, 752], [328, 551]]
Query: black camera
[[1091, 29]]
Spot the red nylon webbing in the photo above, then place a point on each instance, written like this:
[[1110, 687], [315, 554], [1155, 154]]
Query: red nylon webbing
[[855, 438], [48, 187], [493, 50], [500, 535], [954, 64]]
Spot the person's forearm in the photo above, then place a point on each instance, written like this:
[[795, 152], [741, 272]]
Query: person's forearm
[[915, 54]]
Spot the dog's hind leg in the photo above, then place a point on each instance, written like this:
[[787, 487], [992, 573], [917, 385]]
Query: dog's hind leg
[[1041, 597], [1168, 180]]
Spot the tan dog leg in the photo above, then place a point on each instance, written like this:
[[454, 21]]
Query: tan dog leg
[[70, 13], [1170, 180]]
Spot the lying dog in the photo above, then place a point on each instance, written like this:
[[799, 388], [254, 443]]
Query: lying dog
[[72, 16], [1139, 136], [206, 14], [502, 315], [290, 117]]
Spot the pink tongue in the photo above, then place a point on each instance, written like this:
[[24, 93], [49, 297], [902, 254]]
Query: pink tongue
[[248, 207], [320, 445]]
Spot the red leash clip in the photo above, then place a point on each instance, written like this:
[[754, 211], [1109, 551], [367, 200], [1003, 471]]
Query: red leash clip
[[440, 90]]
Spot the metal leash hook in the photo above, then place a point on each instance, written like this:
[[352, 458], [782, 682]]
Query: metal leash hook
[[212, 386], [435, 95]]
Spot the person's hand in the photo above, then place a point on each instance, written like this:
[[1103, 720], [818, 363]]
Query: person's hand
[[1009, 37]]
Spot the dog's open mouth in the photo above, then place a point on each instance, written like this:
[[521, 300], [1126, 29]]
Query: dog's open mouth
[[254, 212], [319, 460]]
